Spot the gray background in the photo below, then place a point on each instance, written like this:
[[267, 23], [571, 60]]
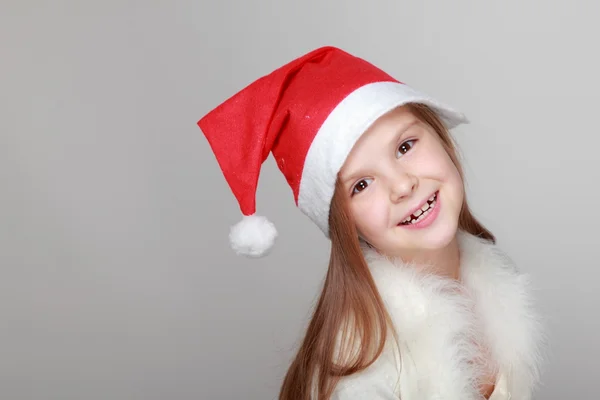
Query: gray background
[[116, 278]]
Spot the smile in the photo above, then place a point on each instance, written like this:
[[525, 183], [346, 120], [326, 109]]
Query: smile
[[422, 213]]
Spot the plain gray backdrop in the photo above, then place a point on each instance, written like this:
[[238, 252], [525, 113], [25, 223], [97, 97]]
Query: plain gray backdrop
[[117, 280]]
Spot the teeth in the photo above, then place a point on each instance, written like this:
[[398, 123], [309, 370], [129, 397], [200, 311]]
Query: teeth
[[426, 213], [422, 212]]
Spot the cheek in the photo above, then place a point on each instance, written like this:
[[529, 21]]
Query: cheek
[[370, 213], [452, 183], [451, 177], [439, 164], [456, 181]]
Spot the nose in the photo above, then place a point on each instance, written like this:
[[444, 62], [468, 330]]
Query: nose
[[402, 186]]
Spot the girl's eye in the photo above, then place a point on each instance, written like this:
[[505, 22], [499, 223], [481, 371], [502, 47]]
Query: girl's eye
[[360, 186], [405, 147]]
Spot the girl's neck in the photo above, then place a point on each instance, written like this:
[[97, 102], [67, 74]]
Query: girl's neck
[[444, 262]]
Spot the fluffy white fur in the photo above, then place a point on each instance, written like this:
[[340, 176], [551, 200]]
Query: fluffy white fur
[[253, 236], [439, 323]]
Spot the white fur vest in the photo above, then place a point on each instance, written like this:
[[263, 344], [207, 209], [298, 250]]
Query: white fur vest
[[439, 323]]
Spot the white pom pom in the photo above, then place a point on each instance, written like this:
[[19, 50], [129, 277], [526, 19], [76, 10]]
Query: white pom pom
[[253, 236]]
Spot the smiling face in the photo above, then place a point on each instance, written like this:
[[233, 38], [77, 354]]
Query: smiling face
[[405, 193]]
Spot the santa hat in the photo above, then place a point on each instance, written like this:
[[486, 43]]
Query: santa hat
[[309, 113]]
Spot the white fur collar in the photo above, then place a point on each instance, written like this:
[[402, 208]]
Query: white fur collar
[[438, 322]]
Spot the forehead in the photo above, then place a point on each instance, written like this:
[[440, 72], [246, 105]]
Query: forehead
[[388, 127], [398, 117], [383, 132]]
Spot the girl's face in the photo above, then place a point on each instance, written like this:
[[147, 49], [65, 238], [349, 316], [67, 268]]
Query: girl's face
[[405, 193]]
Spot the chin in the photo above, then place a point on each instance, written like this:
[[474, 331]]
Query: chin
[[438, 237], [445, 231], [440, 240], [431, 242]]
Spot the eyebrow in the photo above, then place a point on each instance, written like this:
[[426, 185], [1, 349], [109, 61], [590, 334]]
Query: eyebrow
[[405, 128], [397, 135]]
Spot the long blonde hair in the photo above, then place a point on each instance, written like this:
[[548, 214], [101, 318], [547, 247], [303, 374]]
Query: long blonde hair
[[350, 302]]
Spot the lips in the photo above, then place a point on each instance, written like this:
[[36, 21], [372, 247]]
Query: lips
[[421, 212]]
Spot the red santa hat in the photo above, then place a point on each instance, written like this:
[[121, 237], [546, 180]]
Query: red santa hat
[[309, 114]]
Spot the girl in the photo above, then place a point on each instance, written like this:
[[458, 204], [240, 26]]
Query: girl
[[418, 302]]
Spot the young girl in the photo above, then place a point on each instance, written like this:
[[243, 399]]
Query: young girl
[[418, 302]]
